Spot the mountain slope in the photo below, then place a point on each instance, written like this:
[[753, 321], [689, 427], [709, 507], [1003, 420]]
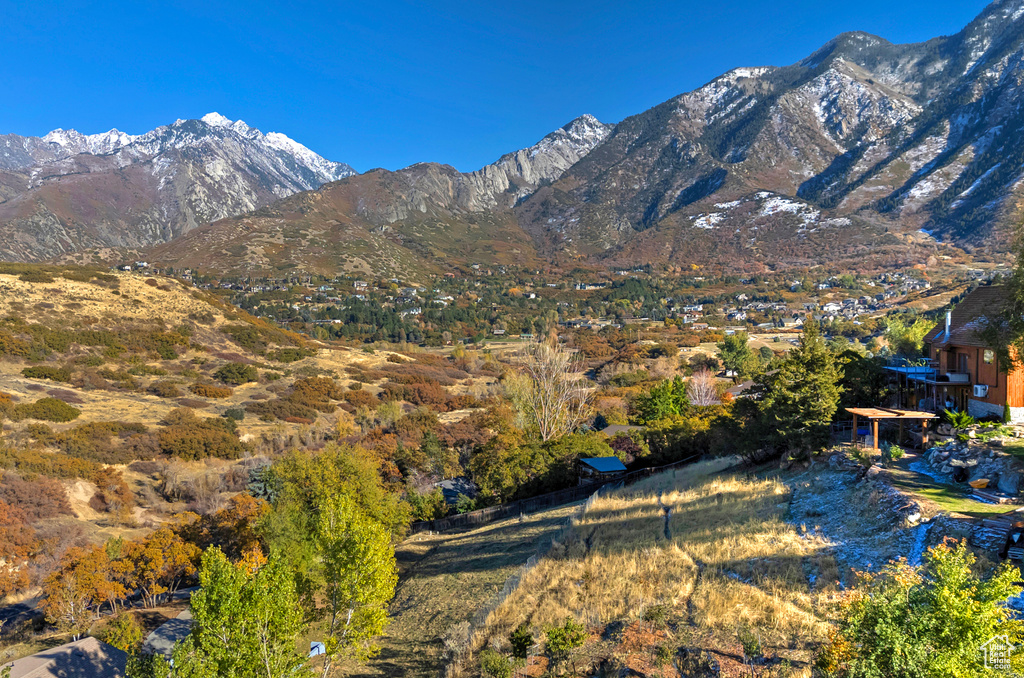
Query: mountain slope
[[69, 191], [402, 221], [862, 154], [875, 137]]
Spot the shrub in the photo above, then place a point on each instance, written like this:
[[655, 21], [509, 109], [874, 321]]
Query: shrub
[[36, 277], [750, 642], [931, 618], [47, 372], [189, 437], [495, 665], [656, 615], [247, 336], [236, 373], [38, 498], [361, 399], [279, 408], [96, 441], [165, 389], [46, 409], [290, 354], [53, 465], [151, 282], [211, 391], [236, 413], [113, 494]]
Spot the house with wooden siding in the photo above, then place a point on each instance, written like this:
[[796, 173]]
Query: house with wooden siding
[[963, 369]]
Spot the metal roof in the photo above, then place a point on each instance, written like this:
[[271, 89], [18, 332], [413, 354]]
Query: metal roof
[[604, 464]]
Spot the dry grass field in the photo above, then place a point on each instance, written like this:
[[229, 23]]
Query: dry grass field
[[445, 578], [725, 560]]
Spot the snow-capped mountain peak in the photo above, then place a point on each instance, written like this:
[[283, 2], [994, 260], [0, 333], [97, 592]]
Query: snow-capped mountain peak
[[178, 176], [215, 119]]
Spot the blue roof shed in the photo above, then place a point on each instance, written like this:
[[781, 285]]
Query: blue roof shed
[[605, 464]]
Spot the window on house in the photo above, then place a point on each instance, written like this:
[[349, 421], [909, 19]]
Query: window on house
[[962, 363], [989, 356]]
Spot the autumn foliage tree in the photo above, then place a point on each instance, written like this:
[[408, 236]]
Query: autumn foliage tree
[[17, 544], [159, 563]]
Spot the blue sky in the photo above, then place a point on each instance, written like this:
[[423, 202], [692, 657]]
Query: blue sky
[[389, 83]]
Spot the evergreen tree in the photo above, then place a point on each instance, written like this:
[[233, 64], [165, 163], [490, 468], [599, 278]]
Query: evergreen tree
[[800, 398], [737, 356]]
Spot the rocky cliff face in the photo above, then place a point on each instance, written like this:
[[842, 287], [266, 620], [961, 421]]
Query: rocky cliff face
[[68, 191]]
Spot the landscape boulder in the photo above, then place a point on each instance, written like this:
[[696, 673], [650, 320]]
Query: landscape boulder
[[1009, 483]]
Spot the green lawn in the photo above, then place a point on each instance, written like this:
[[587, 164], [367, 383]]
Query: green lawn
[[1014, 447], [948, 497]]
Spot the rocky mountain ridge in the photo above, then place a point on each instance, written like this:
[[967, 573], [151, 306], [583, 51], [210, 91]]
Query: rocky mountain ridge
[[67, 191]]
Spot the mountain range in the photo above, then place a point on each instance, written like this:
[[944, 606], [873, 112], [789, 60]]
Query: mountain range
[[69, 191], [864, 154]]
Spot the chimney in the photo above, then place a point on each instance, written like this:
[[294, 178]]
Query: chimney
[[949, 321]]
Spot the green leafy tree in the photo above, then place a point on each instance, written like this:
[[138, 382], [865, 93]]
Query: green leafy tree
[[929, 621], [358, 571], [246, 623], [736, 354], [905, 334], [667, 398], [797, 401]]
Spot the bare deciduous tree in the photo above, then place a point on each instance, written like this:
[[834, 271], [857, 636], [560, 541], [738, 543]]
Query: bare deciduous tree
[[554, 398], [702, 390]]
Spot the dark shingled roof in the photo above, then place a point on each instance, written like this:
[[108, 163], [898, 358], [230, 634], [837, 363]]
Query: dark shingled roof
[[85, 658], [604, 464], [969, 318]]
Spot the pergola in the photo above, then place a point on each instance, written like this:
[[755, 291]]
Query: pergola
[[875, 414]]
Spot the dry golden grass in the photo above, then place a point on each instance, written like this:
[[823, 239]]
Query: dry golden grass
[[731, 561]]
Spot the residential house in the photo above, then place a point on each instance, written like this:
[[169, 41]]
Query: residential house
[[965, 369]]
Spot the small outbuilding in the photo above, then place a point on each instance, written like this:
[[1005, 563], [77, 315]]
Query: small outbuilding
[[600, 469]]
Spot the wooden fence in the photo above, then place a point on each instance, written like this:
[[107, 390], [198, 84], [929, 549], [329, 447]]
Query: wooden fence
[[567, 496]]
